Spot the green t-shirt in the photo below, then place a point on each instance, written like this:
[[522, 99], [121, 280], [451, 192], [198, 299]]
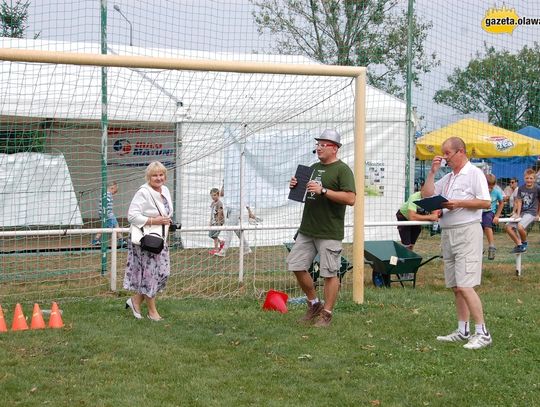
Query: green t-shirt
[[410, 205], [323, 218]]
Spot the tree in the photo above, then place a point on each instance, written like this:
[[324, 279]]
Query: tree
[[370, 33], [13, 18], [506, 86]]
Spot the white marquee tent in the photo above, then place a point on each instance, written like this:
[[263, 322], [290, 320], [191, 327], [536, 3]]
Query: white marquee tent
[[68, 94]]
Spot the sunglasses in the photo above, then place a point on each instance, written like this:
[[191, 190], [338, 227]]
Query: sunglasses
[[322, 145]]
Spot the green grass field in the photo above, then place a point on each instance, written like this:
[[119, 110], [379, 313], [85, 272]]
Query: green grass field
[[229, 352], [221, 353]]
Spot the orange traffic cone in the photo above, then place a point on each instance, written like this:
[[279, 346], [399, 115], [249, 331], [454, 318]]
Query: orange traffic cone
[[55, 321], [19, 321], [3, 327], [37, 318], [276, 300]]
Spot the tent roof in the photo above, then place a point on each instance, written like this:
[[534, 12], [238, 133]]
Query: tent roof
[[516, 166], [483, 140], [74, 92], [530, 131]]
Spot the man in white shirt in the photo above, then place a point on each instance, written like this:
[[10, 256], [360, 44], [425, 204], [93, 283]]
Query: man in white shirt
[[467, 192]]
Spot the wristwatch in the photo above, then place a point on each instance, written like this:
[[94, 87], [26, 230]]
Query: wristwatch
[[324, 191]]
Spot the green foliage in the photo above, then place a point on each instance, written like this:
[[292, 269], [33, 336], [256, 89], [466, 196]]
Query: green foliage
[[370, 33], [13, 18], [506, 86]]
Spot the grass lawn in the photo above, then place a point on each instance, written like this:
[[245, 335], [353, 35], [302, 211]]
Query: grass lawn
[[228, 352]]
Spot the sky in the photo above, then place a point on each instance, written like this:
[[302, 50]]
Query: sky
[[228, 26], [456, 36]]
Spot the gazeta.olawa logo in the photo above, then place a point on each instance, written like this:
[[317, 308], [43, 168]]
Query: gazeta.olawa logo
[[504, 20]]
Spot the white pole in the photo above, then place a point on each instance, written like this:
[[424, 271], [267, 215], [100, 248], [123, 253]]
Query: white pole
[[141, 62], [242, 202], [113, 259], [178, 172], [359, 168], [181, 116]]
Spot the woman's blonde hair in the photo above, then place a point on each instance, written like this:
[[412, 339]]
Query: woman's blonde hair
[[153, 168]]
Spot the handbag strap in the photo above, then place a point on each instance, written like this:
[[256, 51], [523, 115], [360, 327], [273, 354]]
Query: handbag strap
[[157, 207]]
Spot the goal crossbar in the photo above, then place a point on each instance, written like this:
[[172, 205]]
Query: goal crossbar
[[122, 61]]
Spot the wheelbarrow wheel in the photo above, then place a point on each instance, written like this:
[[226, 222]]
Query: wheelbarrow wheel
[[380, 279]]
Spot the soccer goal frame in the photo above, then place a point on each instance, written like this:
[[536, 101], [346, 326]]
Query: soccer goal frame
[[358, 74]]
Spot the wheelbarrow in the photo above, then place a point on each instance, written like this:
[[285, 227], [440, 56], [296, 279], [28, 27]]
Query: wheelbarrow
[[314, 270], [388, 258]]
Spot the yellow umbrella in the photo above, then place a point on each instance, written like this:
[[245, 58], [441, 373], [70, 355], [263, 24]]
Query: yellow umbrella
[[483, 140]]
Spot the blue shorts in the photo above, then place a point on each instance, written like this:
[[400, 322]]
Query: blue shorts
[[112, 223], [487, 219]]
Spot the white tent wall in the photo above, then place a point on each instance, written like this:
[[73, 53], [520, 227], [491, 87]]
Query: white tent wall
[[271, 204], [36, 190], [147, 102]]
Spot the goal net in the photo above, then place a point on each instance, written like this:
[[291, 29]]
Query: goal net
[[72, 130]]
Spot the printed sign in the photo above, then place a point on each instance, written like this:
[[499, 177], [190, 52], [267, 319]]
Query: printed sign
[[139, 147], [504, 20], [374, 179], [501, 143]]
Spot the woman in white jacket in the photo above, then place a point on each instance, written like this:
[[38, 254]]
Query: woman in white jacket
[[147, 273]]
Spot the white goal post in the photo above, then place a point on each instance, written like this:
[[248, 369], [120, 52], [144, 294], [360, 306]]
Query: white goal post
[[139, 63]]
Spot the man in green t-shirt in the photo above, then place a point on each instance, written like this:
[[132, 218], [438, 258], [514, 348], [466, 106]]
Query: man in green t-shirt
[[329, 191]]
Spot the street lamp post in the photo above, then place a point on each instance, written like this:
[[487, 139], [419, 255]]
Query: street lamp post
[[117, 8]]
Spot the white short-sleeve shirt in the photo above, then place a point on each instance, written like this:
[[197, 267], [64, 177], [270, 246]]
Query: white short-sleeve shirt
[[469, 183]]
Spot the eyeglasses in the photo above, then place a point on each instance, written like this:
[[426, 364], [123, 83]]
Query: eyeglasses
[[322, 145], [512, 182]]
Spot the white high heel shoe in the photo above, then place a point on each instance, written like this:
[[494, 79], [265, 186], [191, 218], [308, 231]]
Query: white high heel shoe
[[129, 304]]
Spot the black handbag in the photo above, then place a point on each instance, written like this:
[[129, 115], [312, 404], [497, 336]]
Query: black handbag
[[153, 243]]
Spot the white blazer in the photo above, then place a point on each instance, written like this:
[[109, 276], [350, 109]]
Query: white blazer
[[143, 207]]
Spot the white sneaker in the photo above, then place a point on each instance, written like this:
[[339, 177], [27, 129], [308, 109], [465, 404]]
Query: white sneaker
[[247, 251], [221, 253], [478, 341], [455, 336]]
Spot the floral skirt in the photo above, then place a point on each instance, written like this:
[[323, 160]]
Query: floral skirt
[[146, 273]]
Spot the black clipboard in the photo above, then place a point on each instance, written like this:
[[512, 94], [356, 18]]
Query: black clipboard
[[432, 203], [303, 175]]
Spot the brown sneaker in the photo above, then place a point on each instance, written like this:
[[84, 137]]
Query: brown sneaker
[[324, 319], [312, 312]]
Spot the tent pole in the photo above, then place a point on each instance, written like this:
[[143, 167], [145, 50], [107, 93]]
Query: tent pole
[[104, 133], [181, 115], [242, 202]]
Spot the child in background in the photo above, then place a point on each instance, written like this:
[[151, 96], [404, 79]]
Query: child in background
[[111, 222], [491, 216], [217, 218], [525, 207]]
